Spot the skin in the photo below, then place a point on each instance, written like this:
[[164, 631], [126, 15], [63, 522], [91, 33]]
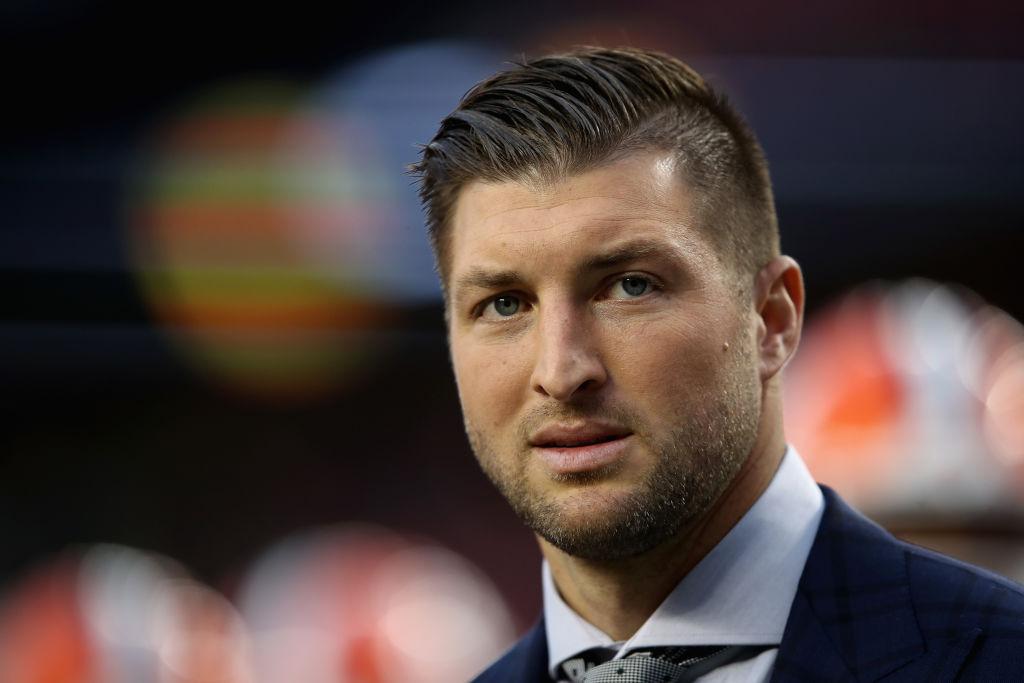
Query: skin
[[662, 341]]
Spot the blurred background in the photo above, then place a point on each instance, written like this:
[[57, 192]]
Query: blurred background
[[231, 445]]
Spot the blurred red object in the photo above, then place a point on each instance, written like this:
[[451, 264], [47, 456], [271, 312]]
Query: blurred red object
[[42, 635], [908, 398]]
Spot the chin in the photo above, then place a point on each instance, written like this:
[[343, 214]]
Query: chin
[[605, 543], [599, 524]]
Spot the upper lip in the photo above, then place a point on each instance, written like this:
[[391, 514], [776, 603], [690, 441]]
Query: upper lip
[[567, 436]]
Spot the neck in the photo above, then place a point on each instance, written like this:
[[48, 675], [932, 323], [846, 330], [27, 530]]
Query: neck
[[619, 596]]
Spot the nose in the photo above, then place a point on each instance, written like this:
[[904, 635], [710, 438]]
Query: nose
[[568, 361]]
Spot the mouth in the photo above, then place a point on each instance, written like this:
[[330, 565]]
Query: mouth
[[579, 443], [581, 449], [576, 435]]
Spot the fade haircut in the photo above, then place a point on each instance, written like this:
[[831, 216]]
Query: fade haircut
[[561, 115]]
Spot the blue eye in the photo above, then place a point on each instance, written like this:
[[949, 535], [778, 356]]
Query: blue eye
[[631, 287], [635, 286], [506, 305]]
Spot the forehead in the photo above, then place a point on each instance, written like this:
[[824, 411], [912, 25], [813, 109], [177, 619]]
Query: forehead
[[541, 225]]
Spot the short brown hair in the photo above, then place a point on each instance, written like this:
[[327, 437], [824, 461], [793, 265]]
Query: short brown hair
[[561, 115]]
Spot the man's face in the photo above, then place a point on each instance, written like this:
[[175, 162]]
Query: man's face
[[604, 357]]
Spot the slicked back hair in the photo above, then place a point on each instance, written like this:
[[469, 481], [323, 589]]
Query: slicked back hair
[[561, 115]]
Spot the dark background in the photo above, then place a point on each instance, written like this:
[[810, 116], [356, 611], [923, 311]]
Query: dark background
[[894, 134]]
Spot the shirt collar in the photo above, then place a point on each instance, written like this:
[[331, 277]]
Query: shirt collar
[[739, 594]]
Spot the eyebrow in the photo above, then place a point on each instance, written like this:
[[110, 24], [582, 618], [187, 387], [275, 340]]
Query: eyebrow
[[481, 278], [630, 251]]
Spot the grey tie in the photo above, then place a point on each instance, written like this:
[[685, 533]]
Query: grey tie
[[635, 670], [666, 665]]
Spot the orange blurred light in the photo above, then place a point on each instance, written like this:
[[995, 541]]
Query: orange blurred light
[[908, 398], [42, 636], [844, 398], [256, 229]]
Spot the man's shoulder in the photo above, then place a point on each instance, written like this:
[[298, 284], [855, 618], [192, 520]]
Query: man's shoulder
[[875, 606], [961, 604], [527, 660], [940, 586], [943, 585]]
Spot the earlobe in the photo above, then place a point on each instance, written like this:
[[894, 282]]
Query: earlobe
[[779, 300]]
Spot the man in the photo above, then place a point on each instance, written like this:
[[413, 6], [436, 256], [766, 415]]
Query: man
[[619, 314]]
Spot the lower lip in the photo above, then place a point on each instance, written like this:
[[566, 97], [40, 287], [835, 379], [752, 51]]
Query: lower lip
[[583, 458]]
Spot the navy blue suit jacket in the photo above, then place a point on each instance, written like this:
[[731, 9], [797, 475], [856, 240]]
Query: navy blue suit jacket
[[869, 608]]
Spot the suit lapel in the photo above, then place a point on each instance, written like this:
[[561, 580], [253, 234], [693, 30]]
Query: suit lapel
[[853, 616], [527, 661], [535, 655]]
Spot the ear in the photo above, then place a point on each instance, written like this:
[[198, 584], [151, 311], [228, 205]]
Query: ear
[[779, 305]]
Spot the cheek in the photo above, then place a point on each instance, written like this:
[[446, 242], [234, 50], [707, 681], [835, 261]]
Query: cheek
[[490, 382], [668, 365], [651, 351]]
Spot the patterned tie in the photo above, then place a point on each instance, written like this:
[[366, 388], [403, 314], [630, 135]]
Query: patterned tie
[[656, 665], [635, 670]]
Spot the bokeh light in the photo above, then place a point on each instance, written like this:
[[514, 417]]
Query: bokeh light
[[363, 605], [112, 614], [257, 228], [200, 636], [42, 635], [347, 604], [1000, 384], [907, 399]]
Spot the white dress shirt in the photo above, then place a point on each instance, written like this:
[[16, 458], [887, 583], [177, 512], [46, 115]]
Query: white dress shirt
[[739, 594]]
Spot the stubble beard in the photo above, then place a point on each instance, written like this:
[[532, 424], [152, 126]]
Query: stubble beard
[[692, 466]]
